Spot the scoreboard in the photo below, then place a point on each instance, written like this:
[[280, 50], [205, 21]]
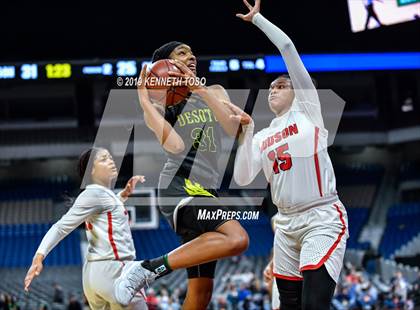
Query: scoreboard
[[68, 70], [112, 69], [75, 70]]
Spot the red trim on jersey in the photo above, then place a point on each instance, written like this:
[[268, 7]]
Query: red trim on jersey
[[318, 173], [280, 276], [88, 225], [334, 246], [110, 237]]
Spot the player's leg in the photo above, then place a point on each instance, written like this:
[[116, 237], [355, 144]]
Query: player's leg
[[98, 285], [275, 296], [96, 302], [139, 300], [229, 239], [137, 303], [290, 294], [198, 294], [318, 289], [93, 285], [200, 279], [213, 239], [286, 255], [216, 238], [322, 254]]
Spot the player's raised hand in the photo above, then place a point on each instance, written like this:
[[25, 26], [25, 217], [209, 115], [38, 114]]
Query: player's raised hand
[[188, 76], [131, 185], [185, 71], [141, 86], [252, 11], [34, 271], [238, 115], [142, 78]]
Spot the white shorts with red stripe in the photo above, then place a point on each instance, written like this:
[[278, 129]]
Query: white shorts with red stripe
[[310, 239], [98, 285]]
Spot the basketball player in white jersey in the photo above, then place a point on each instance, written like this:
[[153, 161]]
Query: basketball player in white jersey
[[111, 249], [311, 232]]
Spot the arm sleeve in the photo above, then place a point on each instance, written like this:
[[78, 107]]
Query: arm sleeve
[[87, 204], [248, 157], [305, 91]]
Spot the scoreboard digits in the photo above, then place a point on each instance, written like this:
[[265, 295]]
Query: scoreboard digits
[[58, 71], [29, 72], [126, 68], [112, 68]]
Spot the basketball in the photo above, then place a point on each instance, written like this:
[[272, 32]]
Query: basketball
[[162, 88]]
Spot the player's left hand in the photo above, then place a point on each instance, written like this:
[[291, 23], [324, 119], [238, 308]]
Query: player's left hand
[[189, 78], [238, 115], [34, 271], [252, 11], [141, 86], [131, 184]]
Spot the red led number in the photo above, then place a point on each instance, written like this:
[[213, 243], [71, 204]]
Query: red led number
[[281, 159]]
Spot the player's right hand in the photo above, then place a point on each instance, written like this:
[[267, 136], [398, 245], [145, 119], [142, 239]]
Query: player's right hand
[[34, 271], [238, 115], [268, 273], [131, 184], [252, 11], [142, 78], [141, 86]]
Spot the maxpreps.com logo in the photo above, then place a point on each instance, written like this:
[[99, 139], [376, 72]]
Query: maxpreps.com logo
[[206, 215]]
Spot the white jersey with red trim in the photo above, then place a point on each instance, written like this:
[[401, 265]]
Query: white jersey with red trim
[[292, 151], [107, 227], [293, 155]]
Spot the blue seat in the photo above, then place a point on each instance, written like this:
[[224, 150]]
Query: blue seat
[[401, 227]]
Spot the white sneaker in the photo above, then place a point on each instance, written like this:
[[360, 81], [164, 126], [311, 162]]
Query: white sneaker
[[131, 281]]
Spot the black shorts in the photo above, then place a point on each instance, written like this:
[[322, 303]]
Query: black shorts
[[184, 219], [189, 228]]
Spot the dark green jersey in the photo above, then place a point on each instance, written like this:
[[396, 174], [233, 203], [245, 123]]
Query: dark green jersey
[[196, 124]]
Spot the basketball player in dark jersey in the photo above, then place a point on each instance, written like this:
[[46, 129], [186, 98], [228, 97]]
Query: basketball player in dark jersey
[[190, 133]]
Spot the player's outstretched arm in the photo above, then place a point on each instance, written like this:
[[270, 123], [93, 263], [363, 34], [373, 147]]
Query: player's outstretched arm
[[304, 88], [248, 158], [85, 205], [164, 132], [213, 95]]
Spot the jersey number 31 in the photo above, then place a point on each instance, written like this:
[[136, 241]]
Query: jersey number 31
[[281, 159]]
